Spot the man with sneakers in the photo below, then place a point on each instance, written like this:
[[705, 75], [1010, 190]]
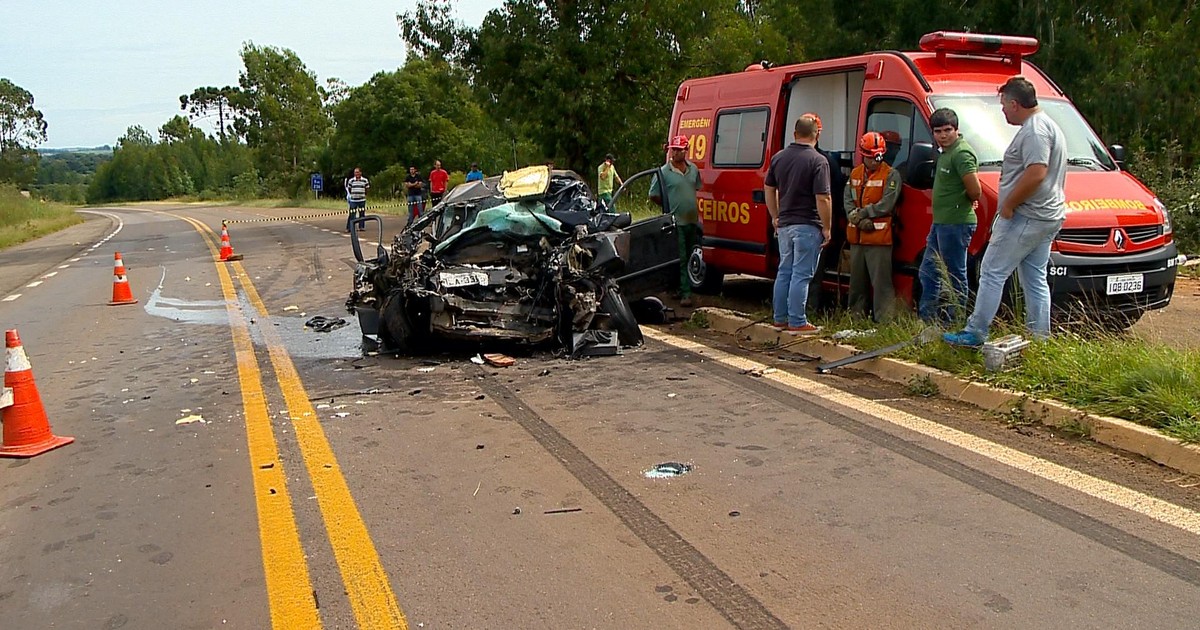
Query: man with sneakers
[[801, 207], [1032, 209]]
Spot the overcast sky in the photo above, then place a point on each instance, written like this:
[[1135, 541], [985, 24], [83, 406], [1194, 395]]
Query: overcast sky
[[97, 67]]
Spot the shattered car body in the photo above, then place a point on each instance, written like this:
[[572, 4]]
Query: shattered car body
[[528, 257]]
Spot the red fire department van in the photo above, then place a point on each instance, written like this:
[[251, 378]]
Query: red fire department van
[[1114, 256]]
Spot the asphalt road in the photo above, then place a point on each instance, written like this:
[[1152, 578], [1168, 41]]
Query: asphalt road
[[324, 488]]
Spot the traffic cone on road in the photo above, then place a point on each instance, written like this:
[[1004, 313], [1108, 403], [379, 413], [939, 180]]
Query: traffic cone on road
[[26, 428], [121, 292], [227, 249]]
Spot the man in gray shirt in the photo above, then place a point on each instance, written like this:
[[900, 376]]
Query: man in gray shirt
[[1031, 212]]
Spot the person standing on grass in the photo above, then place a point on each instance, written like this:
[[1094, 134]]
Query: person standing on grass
[[801, 207], [681, 181], [870, 200], [606, 176], [414, 189], [956, 193], [438, 178], [1031, 211], [356, 196]]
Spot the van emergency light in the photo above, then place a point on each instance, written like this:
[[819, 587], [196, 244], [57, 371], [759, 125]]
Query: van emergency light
[[978, 43]]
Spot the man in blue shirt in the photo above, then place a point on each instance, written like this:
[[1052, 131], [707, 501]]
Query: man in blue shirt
[[474, 175]]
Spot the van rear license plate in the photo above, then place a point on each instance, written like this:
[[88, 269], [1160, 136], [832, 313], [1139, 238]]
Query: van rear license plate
[[1130, 283], [451, 280]]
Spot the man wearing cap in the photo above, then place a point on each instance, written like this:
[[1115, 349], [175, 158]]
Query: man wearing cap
[[474, 175], [956, 192], [606, 175], [798, 199], [680, 179], [871, 195]]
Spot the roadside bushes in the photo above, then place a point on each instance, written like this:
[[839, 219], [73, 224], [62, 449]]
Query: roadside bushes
[[1176, 186]]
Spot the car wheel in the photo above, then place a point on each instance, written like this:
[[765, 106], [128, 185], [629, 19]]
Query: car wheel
[[394, 328], [650, 310], [621, 316], [704, 279]]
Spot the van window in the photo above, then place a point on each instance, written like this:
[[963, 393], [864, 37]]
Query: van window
[[897, 119], [741, 138]]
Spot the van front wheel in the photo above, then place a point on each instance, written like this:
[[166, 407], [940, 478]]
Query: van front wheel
[[704, 279]]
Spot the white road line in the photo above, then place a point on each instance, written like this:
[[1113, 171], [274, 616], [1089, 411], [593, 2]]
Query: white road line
[[1117, 495], [11, 297], [63, 266], [75, 259], [33, 284], [51, 274]]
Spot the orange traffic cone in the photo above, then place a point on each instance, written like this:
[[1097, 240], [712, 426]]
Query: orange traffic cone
[[26, 429], [121, 292], [227, 249]]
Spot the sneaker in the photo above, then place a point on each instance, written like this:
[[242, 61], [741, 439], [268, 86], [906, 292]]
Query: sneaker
[[687, 301], [963, 338], [807, 329], [779, 325]]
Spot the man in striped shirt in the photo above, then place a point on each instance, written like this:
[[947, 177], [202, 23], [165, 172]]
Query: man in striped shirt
[[356, 195]]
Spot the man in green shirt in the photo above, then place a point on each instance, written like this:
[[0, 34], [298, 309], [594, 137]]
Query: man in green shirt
[[681, 180], [955, 196], [606, 175]]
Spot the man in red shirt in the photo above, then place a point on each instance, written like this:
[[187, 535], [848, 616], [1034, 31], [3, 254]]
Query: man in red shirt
[[437, 183]]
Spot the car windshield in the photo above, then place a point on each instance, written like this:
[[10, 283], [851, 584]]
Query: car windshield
[[982, 123]]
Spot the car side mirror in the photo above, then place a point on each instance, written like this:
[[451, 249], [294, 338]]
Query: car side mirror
[[921, 163], [1118, 153]]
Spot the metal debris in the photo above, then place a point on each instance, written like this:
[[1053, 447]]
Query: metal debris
[[668, 469]]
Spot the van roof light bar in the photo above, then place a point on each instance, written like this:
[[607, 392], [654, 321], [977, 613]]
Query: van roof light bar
[[1010, 46]]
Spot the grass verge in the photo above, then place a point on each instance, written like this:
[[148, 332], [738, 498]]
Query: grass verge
[[1110, 374], [23, 219]]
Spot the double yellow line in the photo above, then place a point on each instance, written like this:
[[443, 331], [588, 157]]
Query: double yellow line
[[289, 587]]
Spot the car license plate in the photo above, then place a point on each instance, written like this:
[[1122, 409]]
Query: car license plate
[[1130, 283], [470, 278]]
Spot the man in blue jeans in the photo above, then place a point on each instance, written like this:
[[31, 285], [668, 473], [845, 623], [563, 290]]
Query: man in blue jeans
[[798, 198], [1031, 212], [955, 194]]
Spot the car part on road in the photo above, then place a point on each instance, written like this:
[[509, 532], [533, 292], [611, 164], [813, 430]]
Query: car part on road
[[668, 469], [925, 336], [324, 324]]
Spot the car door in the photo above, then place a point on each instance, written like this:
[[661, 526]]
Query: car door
[[653, 263]]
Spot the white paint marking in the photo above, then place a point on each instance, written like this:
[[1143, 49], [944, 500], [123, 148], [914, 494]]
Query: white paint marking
[[51, 274], [63, 266], [76, 259], [33, 284], [1117, 495], [12, 297]]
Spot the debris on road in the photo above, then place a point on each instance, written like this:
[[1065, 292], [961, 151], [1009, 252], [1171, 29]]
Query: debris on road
[[516, 510], [477, 360], [190, 419], [291, 307], [499, 360], [563, 510], [323, 324], [668, 469], [425, 370], [851, 334]]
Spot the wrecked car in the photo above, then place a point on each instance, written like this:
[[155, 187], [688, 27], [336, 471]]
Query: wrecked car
[[528, 257]]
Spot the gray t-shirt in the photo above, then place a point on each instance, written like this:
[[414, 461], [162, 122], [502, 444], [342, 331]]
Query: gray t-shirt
[[1038, 141]]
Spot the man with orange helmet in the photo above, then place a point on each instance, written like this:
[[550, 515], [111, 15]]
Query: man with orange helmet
[[870, 199], [680, 179]]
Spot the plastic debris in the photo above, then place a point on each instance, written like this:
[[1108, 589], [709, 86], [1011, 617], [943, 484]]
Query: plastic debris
[[323, 324], [850, 333], [477, 360], [292, 307], [425, 370], [668, 469], [341, 414], [672, 395], [190, 419]]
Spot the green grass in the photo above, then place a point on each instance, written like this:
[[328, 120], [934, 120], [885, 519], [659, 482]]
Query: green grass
[[1115, 375], [24, 219]]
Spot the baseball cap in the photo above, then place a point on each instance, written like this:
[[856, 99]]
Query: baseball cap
[[678, 142]]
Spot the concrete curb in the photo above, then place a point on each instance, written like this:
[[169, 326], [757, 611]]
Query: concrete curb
[[1114, 432]]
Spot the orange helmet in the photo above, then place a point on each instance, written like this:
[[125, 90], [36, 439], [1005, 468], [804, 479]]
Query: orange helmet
[[678, 142], [872, 145], [815, 118]]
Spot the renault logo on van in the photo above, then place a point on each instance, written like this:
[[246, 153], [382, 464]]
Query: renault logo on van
[[1119, 239]]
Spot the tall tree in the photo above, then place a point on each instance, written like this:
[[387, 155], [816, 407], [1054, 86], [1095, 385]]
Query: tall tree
[[282, 105], [206, 102], [22, 128]]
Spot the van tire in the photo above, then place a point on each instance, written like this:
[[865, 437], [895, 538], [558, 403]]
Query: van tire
[[704, 278]]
